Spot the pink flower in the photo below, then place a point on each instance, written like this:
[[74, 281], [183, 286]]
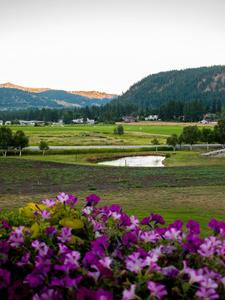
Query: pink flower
[[16, 239], [150, 236], [45, 214], [157, 290], [49, 203], [65, 235], [130, 294], [134, 263], [173, 234], [206, 293]]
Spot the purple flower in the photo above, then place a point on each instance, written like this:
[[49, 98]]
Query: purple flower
[[152, 217], [62, 198], [170, 271], [134, 263], [130, 294], [37, 245], [49, 203], [18, 291], [193, 227], [124, 220], [71, 201], [92, 200], [85, 294], [5, 224], [115, 208], [47, 294], [206, 293], [38, 275], [24, 260], [4, 247], [192, 244], [104, 295], [92, 257], [129, 238], [177, 224], [150, 236], [157, 290], [4, 278], [45, 214], [65, 235], [101, 242], [16, 239], [216, 226], [51, 231]]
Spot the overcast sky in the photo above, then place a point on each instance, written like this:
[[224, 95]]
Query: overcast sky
[[106, 45]]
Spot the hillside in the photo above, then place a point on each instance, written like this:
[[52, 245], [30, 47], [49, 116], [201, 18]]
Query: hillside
[[203, 83], [17, 97]]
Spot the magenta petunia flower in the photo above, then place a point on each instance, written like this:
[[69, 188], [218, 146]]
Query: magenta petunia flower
[[104, 295], [150, 236], [65, 235], [193, 227], [16, 239], [124, 220], [206, 293], [51, 231], [85, 294], [45, 214], [217, 227], [177, 224], [92, 200], [101, 242], [4, 278], [130, 294], [49, 203], [62, 197], [18, 291], [157, 290], [71, 201], [4, 247], [24, 260], [129, 238]]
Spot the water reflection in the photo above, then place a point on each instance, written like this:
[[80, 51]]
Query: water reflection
[[136, 161]]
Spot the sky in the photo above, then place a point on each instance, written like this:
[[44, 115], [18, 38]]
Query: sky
[[106, 45]]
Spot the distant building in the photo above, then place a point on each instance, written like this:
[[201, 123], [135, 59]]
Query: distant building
[[78, 121], [1, 122], [152, 118], [129, 119], [8, 123], [90, 121]]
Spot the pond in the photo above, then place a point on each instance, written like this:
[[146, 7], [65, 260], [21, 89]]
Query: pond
[[136, 161]]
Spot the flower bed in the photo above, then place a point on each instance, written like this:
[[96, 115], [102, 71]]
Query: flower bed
[[53, 251]]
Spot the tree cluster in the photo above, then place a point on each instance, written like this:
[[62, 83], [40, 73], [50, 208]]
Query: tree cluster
[[192, 135], [9, 140]]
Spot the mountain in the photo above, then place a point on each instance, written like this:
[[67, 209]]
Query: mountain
[[204, 83], [17, 97]]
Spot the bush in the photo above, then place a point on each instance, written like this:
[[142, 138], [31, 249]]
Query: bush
[[54, 251]]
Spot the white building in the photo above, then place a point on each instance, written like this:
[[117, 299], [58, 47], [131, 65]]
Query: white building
[[152, 118]]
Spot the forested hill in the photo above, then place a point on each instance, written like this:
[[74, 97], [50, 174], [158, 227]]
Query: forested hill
[[204, 83], [16, 97]]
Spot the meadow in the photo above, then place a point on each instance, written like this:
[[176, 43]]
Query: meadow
[[141, 133]]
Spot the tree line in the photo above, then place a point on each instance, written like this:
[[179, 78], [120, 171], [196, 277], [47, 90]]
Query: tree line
[[192, 134], [173, 110]]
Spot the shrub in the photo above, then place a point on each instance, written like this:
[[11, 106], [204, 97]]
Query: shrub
[[54, 251]]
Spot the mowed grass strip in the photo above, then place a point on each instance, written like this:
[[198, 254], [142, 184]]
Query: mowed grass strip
[[196, 203]]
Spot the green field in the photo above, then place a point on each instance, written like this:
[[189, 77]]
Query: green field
[[82, 135]]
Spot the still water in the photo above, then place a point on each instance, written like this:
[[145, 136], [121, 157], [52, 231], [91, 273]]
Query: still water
[[136, 161]]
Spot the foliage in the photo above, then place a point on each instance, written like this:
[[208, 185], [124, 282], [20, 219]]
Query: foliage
[[191, 134], [6, 139], [119, 130], [207, 136], [172, 141], [20, 140], [219, 131], [43, 146], [184, 85], [53, 251]]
